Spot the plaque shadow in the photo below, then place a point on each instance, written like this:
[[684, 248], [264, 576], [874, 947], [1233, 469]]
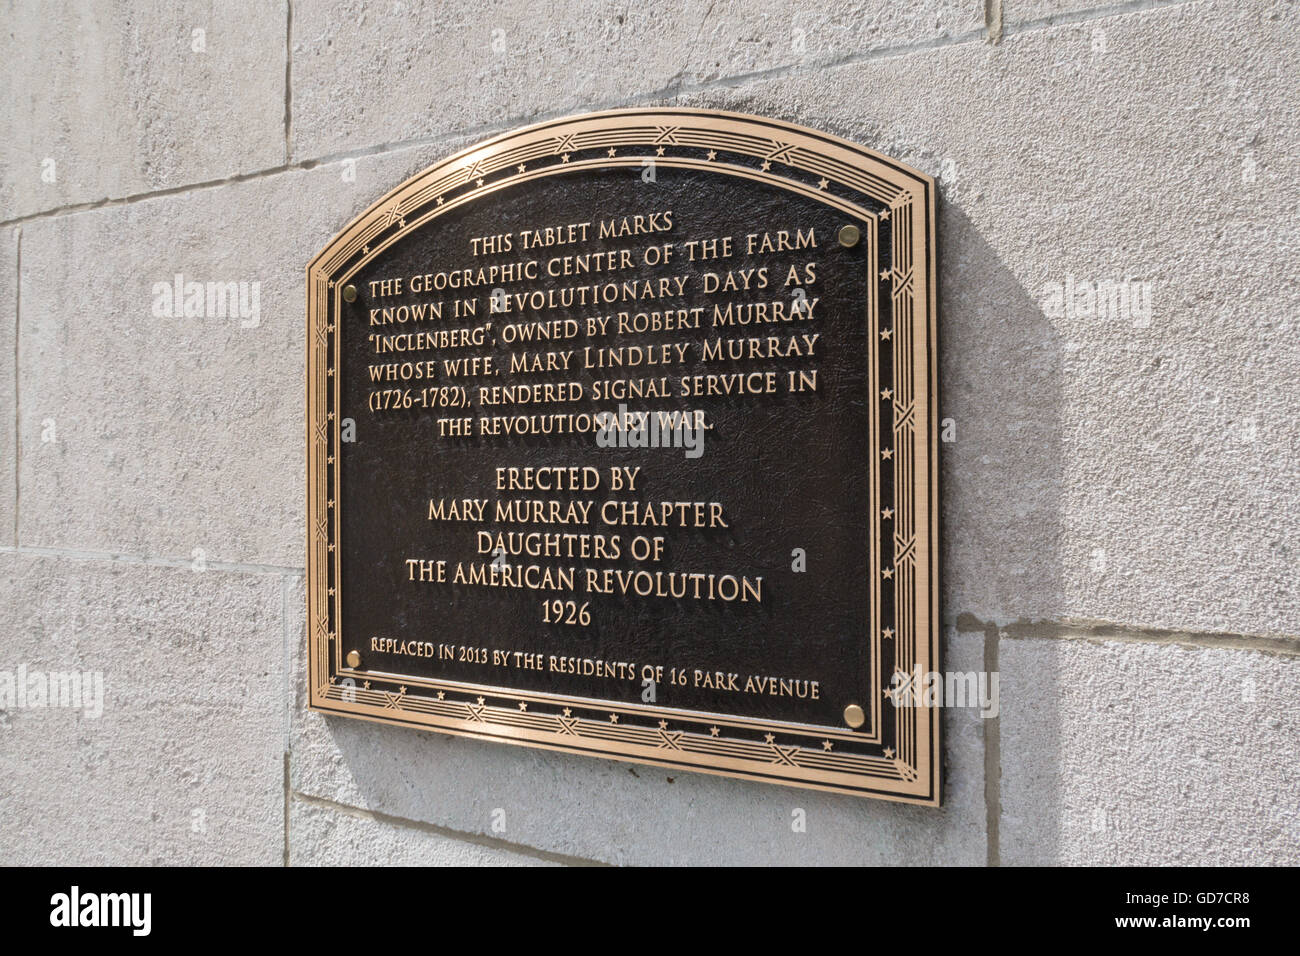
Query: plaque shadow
[[1002, 521]]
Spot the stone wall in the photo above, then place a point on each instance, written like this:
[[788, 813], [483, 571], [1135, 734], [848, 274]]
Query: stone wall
[[1119, 500]]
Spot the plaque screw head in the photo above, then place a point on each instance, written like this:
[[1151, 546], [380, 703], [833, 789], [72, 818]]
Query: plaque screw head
[[853, 715], [849, 236], [354, 660], [349, 293]]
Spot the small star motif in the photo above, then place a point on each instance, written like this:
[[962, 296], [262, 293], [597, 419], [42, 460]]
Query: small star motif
[[401, 690], [887, 454], [823, 183], [613, 718], [663, 725], [481, 701], [612, 151], [887, 574], [713, 154], [887, 633], [330, 327], [568, 712], [887, 394], [767, 164], [522, 168], [770, 738], [401, 224], [442, 695], [331, 547], [888, 513], [365, 250], [330, 416], [439, 200], [329, 373], [330, 459], [659, 151], [885, 214], [713, 731], [334, 680], [331, 283], [330, 503], [889, 751], [886, 333], [331, 592], [365, 685], [826, 745], [523, 705], [478, 182], [564, 157], [884, 275]]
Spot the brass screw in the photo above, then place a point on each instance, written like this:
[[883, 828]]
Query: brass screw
[[354, 660], [849, 236], [349, 293], [853, 715]]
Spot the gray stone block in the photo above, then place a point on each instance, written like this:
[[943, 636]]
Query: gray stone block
[[177, 434], [184, 762], [107, 100], [1126, 466], [365, 75], [336, 836], [1144, 754], [1021, 12]]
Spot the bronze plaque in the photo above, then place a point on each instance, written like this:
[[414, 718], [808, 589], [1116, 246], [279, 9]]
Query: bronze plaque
[[621, 441]]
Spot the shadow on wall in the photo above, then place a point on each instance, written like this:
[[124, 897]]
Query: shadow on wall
[[1001, 387]]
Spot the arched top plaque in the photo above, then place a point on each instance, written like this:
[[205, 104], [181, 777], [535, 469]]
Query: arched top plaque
[[621, 441]]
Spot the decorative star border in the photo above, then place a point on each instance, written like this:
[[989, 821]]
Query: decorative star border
[[794, 164]]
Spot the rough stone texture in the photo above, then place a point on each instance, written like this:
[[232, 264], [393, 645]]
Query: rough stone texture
[[116, 97], [177, 434], [1018, 12], [326, 836], [185, 764], [9, 239], [1142, 754], [634, 814], [1101, 470], [512, 66]]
